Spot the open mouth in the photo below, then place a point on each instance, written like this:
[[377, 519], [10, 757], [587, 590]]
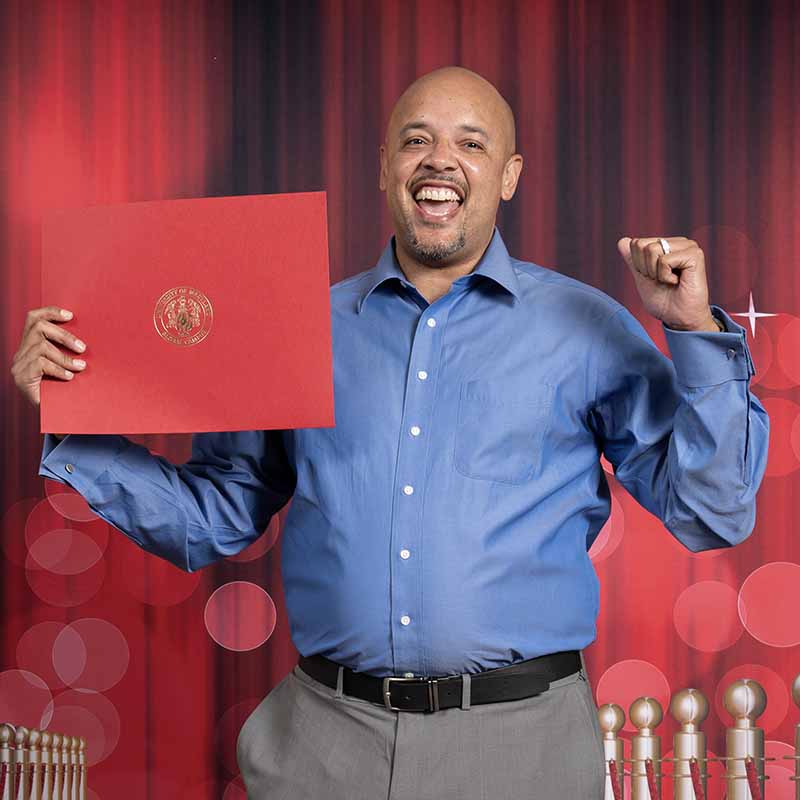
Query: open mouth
[[437, 203]]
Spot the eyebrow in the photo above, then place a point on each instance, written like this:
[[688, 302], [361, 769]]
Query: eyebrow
[[419, 124]]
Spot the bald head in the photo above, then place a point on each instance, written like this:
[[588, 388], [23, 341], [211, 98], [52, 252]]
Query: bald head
[[446, 163], [458, 84]]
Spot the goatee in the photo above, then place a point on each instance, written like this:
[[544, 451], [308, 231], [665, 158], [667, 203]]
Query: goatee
[[436, 253]]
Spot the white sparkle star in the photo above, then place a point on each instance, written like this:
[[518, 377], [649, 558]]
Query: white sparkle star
[[751, 314]]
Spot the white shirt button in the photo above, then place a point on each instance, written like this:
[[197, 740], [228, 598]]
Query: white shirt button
[[69, 468], [405, 553], [408, 674], [415, 431], [431, 322], [408, 489], [405, 619], [422, 375]]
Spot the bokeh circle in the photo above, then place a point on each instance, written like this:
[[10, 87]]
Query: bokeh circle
[[768, 603], [733, 252], [67, 502], [706, 616], [65, 591], [227, 732], [25, 699], [240, 616], [782, 458], [64, 551], [92, 654], [99, 710]]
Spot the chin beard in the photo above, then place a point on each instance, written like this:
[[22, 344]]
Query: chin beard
[[437, 253]]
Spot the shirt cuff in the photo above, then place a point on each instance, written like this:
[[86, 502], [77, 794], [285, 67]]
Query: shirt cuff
[[706, 358], [78, 459]]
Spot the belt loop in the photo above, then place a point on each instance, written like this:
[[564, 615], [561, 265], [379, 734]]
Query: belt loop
[[339, 682], [466, 694]]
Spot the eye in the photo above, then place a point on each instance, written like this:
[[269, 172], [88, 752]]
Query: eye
[[415, 140], [473, 145]]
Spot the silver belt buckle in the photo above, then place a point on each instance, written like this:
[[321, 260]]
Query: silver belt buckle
[[433, 692]]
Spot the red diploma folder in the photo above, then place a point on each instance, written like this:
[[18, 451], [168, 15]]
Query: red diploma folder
[[198, 315]]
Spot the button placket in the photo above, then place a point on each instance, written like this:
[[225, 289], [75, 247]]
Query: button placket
[[406, 535]]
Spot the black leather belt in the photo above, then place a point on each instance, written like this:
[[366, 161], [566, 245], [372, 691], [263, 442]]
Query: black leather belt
[[514, 682]]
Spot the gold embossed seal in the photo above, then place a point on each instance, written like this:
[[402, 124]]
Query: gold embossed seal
[[183, 316]]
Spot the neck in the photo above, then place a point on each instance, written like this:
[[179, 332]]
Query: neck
[[434, 281]]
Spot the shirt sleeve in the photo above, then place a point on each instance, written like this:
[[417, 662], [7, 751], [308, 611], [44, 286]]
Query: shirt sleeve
[[686, 437], [191, 514]]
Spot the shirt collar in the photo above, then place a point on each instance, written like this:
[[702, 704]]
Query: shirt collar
[[495, 264]]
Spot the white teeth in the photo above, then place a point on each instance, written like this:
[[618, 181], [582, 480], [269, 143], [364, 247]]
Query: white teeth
[[431, 193]]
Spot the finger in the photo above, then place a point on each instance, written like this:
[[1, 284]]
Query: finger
[[49, 350], [664, 273], [638, 256], [56, 334], [624, 247], [28, 364], [47, 367], [675, 262], [651, 252], [55, 313]]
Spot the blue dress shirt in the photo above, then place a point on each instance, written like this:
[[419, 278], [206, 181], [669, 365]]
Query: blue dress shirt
[[442, 526]]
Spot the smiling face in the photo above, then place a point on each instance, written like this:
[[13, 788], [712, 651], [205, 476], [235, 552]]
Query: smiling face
[[447, 161]]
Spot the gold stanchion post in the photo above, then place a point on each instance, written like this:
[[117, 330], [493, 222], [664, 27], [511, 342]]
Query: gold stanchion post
[[688, 708], [612, 718], [745, 700], [646, 714]]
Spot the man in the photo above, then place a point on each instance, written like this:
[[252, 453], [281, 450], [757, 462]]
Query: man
[[435, 553]]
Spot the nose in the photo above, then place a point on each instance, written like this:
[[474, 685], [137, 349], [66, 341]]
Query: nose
[[440, 157]]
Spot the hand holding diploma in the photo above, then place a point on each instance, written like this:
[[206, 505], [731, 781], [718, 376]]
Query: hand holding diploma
[[38, 354]]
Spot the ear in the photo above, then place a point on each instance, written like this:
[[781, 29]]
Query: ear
[[382, 180], [511, 173]]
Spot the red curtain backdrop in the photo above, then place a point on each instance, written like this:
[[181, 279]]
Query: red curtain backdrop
[[672, 118]]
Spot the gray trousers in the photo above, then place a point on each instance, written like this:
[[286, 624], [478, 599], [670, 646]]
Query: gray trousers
[[306, 741]]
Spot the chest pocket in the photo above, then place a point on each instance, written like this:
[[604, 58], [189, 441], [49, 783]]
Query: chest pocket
[[500, 430]]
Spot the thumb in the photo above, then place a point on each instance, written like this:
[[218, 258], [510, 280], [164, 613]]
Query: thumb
[[624, 247]]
